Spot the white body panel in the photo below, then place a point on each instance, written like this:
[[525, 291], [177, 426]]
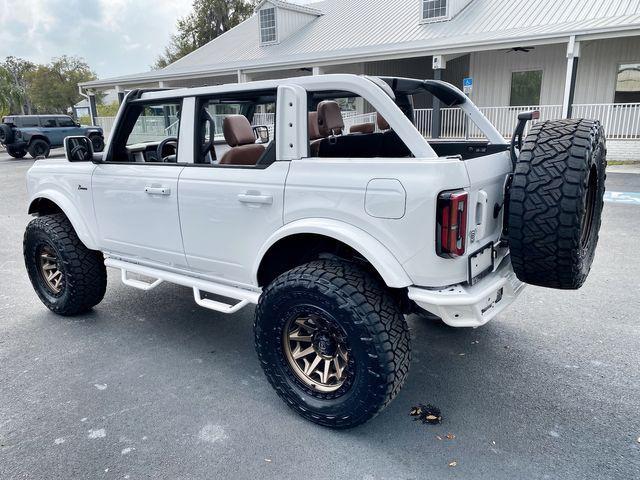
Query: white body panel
[[227, 215], [209, 227], [68, 185], [133, 221]]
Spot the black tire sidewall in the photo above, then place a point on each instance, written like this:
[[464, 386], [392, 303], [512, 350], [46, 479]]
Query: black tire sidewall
[[97, 142], [548, 203], [6, 133], [596, 160], [39, 144], [270, 331], [376, 333], [20, 153], [33, 243]]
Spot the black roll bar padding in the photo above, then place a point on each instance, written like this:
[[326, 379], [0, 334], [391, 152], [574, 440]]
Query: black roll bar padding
[[443, 91], [516, 139]]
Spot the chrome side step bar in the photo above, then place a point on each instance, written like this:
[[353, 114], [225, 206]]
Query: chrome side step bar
[[244, 297]]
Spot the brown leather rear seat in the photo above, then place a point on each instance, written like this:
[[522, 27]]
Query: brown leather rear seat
[[330, 122], [362, 128], [239, 135]]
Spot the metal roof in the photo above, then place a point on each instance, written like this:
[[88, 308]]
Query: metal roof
[[367, 30], [290, 6]]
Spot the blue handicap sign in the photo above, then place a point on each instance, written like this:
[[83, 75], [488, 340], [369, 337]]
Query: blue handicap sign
[[628, 198], [467, 82]]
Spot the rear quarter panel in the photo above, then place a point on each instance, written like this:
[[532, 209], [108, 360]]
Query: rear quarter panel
[[337, 189]]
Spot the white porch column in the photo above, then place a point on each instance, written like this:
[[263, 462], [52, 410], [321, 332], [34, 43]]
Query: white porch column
[[573, 54], [162, 84], [439, 65], [243, 77], [317, 71], [120, 94], [93, 109]]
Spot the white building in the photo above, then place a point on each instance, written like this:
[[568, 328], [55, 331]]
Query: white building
[[565, 57]]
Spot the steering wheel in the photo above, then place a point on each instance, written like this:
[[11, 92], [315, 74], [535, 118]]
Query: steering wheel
[[79, 153], [164, 143]]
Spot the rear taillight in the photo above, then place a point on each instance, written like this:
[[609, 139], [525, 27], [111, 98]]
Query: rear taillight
[[451, 230]]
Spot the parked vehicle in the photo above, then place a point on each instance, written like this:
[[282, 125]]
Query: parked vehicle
[[38, 134], [335, 236]]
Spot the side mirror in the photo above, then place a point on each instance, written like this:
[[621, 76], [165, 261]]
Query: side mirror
[[262, 133], [78, 124], [78, 149]]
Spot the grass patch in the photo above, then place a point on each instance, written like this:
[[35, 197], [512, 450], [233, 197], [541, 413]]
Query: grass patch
[[623, 162]]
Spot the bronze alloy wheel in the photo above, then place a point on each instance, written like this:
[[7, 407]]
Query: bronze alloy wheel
[[49, 269], [317, 352]]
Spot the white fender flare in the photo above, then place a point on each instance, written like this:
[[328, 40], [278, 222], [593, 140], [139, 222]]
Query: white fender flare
[[371, 249], [77, 221]]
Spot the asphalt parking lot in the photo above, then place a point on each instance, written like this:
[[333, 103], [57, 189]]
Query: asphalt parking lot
[[148, 385]]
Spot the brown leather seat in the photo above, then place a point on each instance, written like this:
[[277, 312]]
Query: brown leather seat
[[362, 128], [314, 133], [314, 129], [330, 122], [382, 123], [239, 135]]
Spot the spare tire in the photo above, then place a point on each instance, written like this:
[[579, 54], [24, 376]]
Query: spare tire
[[555, 203], [6, 133]]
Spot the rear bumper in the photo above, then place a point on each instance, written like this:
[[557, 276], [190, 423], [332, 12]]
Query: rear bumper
[[471, 306]]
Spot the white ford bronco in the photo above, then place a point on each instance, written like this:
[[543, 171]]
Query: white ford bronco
[[258, 193]]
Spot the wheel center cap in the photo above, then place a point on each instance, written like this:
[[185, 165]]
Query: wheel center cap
[[324, 344]]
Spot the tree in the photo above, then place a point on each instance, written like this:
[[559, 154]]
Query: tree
[[53, 88], [209, 19], [15, 82]]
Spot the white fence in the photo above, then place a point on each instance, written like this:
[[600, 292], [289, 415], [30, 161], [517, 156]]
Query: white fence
[[621, 121]]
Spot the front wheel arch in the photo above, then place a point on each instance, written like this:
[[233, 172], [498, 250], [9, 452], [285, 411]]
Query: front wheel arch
[[53, 203]]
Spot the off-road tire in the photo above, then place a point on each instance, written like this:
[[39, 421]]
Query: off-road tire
[[6, 134], [16, 153], [556, 201], [97, 142], [375, 328], [84, 273], [39, 148]]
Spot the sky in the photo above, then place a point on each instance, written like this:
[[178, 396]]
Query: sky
[[115, 37]]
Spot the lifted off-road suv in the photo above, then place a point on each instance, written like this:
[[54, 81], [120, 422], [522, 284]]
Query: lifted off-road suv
[[38, 134], [259, 194]]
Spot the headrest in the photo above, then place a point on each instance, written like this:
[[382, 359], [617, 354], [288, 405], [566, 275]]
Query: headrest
[[362, 128], [314, 130], [237, 131], [382, 123], [330, 118]]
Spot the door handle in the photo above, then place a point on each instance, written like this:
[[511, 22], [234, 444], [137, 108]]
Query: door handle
[[255, 198], [157, 190]]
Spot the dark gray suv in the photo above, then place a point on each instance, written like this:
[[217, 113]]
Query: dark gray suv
[[38, 134]]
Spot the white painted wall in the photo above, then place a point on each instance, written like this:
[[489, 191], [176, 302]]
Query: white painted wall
[[623, 150], [289, 21], [598, 67], [491, 72]]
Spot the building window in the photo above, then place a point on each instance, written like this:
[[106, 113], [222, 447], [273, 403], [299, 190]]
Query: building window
[[268, 25], [433, 9], [525, 88], [628, 83]]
